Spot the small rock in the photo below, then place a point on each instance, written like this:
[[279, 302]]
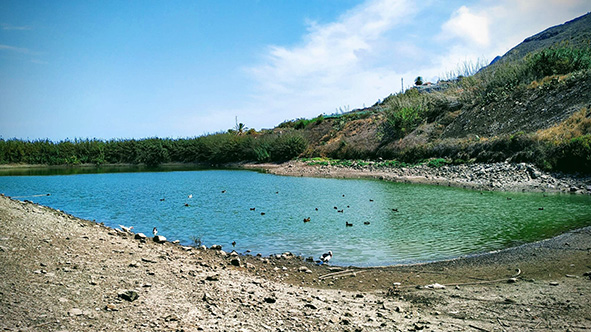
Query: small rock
[[435, 286], [134, 264], [176, 241], [310, 306], [159, 239], [128, 295], [75, 312], [304, 269], [213, 277], [512, 280], [172, 318], [235, 261], [216, 247], [140, 236], [270, 299], [553, 283], [111, 307]]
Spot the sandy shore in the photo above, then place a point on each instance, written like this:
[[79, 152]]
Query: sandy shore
[[61, 273]]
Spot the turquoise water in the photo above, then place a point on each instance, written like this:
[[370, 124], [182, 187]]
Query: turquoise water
[[432, 222]]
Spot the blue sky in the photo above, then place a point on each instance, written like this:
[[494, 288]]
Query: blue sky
[[136, 69]]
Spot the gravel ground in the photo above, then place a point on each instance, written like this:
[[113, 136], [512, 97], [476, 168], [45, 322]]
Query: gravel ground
[[61, 273]]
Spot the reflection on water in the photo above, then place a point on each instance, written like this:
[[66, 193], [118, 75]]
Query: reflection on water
[[392, 223]]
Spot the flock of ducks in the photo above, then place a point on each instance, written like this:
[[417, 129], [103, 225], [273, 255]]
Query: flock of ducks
[[324, 258]]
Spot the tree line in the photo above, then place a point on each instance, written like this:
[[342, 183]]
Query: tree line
[[215, 148]]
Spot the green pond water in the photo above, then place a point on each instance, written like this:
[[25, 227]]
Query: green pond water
[[431, 222]]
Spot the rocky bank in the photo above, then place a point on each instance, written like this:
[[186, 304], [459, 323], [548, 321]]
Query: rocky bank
[[498, 176]]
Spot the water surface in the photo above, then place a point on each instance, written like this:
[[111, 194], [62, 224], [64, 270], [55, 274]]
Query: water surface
[[431, 222]]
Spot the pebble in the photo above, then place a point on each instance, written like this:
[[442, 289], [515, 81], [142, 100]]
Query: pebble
[[75, 312], [128, 295]]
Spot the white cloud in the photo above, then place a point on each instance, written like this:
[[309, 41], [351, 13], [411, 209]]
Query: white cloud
[[335, 65], [468, 26]]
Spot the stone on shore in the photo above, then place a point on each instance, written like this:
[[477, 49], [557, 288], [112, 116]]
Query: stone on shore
[[159, 239]]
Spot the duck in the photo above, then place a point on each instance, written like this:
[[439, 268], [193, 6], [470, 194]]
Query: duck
[[540, 208], [223, 191], [252, 209], [262, 213], [316, 209], [186, 204], [326, 257], [395, 210], [371, 200], [233, 243], [348, 224], [162, 200], [366, 223], [340, 211], [307, 219], [190, 196], [154, 231]]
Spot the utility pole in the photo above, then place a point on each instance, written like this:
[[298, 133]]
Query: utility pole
[[402, 85]]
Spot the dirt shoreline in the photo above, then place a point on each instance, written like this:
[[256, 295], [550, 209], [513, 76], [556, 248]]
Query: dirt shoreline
[[61, 273]]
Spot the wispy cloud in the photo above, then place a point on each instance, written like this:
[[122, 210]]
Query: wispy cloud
[[13, 49], [14, 27], [338, 61]]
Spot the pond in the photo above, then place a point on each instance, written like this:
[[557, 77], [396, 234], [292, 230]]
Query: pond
[[392, 223]]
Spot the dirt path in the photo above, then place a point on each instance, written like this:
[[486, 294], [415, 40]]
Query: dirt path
[[61, 273]]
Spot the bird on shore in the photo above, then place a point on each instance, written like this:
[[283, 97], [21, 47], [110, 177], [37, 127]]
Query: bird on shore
[[326, 257], [126, 229], [154, 231]]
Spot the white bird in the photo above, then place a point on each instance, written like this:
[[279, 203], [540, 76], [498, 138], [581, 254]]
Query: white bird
[[326, 257], [191, 196], [126, 229], [154, 231]]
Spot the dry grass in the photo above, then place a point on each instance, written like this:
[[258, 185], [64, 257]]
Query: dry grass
[[576, 125]]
